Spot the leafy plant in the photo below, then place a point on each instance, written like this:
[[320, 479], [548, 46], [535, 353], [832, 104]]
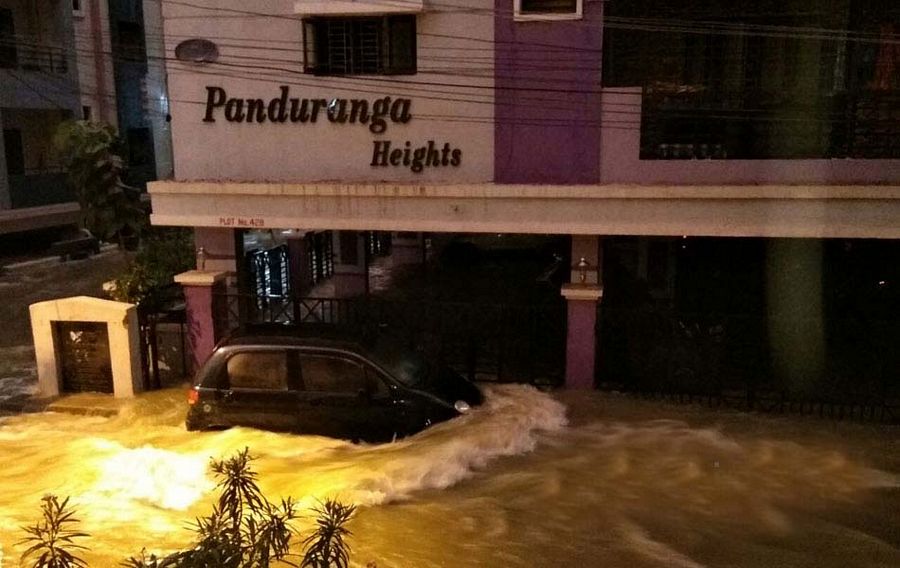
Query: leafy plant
[[162, 254], [326, 547], [90, 150], [52, 540], [244, 530]]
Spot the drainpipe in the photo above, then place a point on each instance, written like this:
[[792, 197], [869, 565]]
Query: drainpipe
[[99, 63]]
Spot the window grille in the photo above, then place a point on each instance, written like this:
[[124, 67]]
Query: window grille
[[360, 46]]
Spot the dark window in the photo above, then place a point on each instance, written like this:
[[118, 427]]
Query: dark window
[[9, 56], [76, 5], [349, 250], [15, 156], [258, 370], [131, 41], [360, 46], [86, 112], [377, 385], [140, 146], [322, 373], [548, 6]]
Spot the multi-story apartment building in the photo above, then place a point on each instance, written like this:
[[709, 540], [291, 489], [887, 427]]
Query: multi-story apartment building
[[91, 59], [622, 126]]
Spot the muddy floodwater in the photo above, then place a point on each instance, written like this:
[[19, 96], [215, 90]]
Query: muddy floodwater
[[529, 479]]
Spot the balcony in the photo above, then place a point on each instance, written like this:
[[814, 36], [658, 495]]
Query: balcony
[[689, 123], [37, 188], [686, 138], [31, 54]]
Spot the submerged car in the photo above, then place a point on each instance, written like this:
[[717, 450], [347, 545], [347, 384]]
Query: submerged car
[[329, 384]]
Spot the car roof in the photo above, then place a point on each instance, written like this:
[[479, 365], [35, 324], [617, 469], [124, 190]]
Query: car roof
[[305, 335]]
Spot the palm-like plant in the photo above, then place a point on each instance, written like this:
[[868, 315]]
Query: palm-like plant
[[245, 530], [327, 547], [52, 540]]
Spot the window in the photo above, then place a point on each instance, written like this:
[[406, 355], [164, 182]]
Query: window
[[86, 112], [15, 155], [322, 373], [258, 370], [547, 9], [77, 8], [360, 46], [140, 146], [9, 56]]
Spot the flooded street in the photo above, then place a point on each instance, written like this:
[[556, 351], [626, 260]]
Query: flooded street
[[529, 479]]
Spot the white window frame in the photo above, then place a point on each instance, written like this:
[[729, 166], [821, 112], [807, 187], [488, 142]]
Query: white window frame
[[518, 16]]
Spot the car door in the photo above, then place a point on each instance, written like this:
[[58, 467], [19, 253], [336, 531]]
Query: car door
[[257, 389], [387, 412], [335, 397]]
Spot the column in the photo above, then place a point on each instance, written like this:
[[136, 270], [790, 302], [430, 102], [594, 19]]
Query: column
[[583, 295], [205, 326], [351, 276], [5, 194], [298, 261]]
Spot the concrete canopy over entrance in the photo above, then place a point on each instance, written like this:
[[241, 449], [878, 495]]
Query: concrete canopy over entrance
[[818, 211]]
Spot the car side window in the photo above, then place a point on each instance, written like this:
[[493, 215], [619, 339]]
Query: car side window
[[323, 373], [258, 370], [377, 385]]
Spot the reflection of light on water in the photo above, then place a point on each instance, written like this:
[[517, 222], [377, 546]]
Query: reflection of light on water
[[165, 479], [621, 482]]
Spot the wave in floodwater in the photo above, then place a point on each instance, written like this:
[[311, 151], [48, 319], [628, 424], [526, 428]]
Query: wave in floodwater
[[509, 484], [142, 469]]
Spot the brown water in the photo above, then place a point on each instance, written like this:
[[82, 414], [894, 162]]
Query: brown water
[[527, 480]]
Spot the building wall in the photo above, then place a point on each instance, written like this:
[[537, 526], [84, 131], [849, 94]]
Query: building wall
[[548, 97], [157, 93], [95, 62], [327, 151]]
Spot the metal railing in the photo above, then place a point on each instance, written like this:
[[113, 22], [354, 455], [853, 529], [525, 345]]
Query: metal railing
[[486, 342], [730, 360], [37, 189], [706, 125], [32, 54]]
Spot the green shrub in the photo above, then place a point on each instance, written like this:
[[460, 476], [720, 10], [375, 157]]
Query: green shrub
[[163, 253], [52, 541]]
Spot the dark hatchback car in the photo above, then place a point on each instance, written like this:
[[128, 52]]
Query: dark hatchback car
[[329, 384]]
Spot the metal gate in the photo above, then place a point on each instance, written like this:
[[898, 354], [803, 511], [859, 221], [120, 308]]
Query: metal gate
[[85, 363], [485, 342]]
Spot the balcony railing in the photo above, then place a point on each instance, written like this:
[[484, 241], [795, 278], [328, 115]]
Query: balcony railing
[[686, 123], [37, 188], [32, 54]]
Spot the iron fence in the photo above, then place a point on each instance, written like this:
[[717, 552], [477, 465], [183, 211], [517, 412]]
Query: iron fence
[[486, 342], [740, 361]]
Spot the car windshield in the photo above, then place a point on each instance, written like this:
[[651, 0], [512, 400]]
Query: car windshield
[[408, 367]]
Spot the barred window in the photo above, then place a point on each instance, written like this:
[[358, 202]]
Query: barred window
[[360, 46], [534, 7]]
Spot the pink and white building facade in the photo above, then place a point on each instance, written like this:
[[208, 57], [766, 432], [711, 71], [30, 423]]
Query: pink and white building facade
[[470, 116]]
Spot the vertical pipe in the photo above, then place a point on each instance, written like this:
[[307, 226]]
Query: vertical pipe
[[99, 62]]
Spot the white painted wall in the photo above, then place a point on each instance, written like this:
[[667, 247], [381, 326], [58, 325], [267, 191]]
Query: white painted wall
[[326, 151]]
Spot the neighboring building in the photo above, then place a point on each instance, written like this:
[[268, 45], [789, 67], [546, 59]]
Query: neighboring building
[[38, 90], [76, 59], [520, 116]]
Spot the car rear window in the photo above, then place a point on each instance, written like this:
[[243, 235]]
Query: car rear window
[[258, 370], [323, 373]]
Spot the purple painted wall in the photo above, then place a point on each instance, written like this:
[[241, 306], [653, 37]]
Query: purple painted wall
[[201, 322], [547, 97], [581, 344]]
